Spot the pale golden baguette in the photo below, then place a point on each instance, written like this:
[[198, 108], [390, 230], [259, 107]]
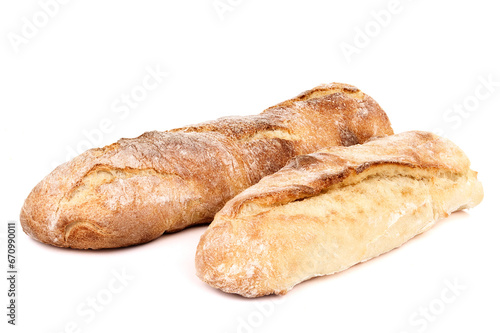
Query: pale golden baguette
[[135, 190], [327, 211]]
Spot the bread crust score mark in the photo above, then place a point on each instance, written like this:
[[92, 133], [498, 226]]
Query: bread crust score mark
[[327, 211], [135, 190]]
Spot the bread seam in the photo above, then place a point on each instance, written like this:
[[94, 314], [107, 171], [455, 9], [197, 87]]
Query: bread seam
[[350, 171], [117, 173]]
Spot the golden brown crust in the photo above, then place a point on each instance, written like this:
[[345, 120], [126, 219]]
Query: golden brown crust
[[329, 210], [134, 190]]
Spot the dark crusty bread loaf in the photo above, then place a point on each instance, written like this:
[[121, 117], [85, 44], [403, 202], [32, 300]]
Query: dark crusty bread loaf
[[135, 190], [327, 211]]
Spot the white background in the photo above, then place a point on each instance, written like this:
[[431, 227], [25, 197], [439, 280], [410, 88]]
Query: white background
[[71, 72]]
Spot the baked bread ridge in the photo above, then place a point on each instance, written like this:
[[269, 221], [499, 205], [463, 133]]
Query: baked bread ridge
[[327, 211], [134, 190]]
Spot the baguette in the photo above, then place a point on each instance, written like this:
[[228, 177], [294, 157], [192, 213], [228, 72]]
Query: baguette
[[134, 190], [327, 211]]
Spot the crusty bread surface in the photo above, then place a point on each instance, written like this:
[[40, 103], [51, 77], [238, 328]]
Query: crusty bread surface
[[329, 210], [135, 190]]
